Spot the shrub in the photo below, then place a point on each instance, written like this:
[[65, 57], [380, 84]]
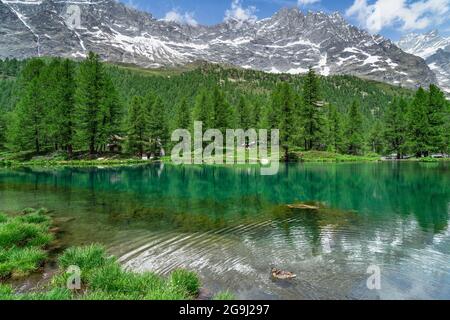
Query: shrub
[[185, 280]]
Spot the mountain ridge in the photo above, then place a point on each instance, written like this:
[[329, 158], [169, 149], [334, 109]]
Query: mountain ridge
[[288, 42], [435, 49]]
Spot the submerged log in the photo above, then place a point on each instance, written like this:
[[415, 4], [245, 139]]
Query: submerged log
[[303, 206]]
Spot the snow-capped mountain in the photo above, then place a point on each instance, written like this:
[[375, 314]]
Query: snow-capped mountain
[[435, 49], [289, 42]]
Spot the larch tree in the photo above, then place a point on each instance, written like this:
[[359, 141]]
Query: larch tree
[[89, 99], [334, 130], [312, 112], [395, 127], [354, 130], [28, 128], [418, 125], [137, 126]]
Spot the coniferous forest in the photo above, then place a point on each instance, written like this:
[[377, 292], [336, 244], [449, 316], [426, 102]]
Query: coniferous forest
[[57, 105]]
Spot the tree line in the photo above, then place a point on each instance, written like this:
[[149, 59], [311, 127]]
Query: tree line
[[64, 105]]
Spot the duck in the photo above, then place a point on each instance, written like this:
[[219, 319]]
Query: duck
[[282, 275]]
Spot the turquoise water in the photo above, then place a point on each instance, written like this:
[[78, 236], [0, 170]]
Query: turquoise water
[[232, 225]]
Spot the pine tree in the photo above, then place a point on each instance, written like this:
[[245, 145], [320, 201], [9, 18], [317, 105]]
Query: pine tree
[[111, 113], [283, 102], [183, 115], [418, 125], [395, 127], [137, 126], [64, 119], [202, 109], [437, 107], [354, 130], [90, 97], [334, 130], [376, 138], [158, 131], [221, 111], [27, 130], [312, 112], [243, 114], [2, 132]]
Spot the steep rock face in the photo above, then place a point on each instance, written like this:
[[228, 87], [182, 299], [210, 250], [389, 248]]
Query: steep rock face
[[290, 41], [435, 49]]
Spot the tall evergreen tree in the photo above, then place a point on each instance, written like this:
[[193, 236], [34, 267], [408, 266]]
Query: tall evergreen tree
[[111, 113], [90, 97], [354, 130], [243, 114], [283, 102], [183, 115], [2, 131], [376, 138], [418, 125], [334, 130], [137, 126], [158, 130], [395, 127], [28, 129], [222, 114], [312, 112], [437, 108], [64, 120], [202, 109]]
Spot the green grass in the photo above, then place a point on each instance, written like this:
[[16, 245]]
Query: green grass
[[103, 278], [20, 262], [323, 156], [224, 295], [23, 240], [186, 281]]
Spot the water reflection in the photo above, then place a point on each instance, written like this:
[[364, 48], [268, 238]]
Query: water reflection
[[232, 225]]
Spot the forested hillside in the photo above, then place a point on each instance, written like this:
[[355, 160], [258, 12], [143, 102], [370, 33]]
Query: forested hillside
[[55, 104]]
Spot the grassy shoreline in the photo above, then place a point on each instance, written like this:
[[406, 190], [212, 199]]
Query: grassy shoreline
[[25, 242], [300, 157]]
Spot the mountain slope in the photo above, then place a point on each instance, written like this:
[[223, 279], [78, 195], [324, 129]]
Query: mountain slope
[[435, 49], [288, 42]]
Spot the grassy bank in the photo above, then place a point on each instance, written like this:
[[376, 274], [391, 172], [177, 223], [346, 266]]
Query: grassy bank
[[73, 163], [24, 240], [323, 156], [24, 243]]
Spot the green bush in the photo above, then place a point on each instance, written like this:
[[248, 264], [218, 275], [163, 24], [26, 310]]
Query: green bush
[[3, 217], [224, 295], [185, 280]]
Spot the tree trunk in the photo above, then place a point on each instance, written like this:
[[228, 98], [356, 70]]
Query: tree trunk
[[70, 151]]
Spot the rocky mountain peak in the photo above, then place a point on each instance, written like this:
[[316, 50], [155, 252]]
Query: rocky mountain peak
[[288, 42]]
